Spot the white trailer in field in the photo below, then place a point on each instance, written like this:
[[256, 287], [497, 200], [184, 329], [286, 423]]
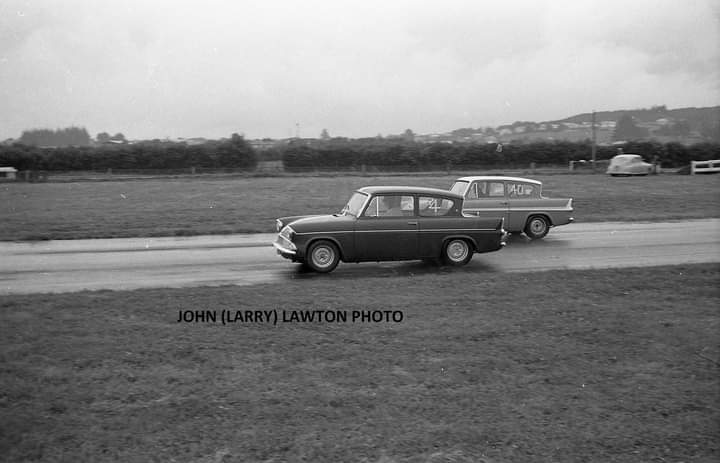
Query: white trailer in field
[[8, 173]]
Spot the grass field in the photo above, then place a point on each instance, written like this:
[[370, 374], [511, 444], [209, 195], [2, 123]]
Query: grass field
[[563, 366], [171, 207]]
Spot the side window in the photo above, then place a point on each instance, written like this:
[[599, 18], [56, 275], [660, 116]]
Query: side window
[[521, 190], [390, 206], [496, 189], [436, 207]]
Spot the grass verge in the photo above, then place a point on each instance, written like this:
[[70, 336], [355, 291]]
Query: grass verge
[[174, 207], [561, 366]]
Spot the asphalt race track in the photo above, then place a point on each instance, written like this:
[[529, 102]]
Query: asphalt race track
[[74, 265]]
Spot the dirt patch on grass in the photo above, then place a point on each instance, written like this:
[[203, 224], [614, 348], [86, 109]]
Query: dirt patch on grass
[[616, 365]]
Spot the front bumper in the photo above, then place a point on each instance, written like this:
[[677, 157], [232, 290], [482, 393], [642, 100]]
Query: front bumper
[[282, 250], [283, 244]]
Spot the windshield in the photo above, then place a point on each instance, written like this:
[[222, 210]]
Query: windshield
[[459, 187], [353, 206]]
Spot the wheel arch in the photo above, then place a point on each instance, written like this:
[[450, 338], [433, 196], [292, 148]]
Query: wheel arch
[[469, 239], [544, 215], [334, 241]]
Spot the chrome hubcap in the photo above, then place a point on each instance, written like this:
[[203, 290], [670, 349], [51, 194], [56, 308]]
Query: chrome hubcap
[[457, 250], [323, 256], [537, 226]]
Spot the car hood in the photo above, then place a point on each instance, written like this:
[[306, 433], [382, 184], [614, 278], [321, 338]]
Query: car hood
[[314, 223]]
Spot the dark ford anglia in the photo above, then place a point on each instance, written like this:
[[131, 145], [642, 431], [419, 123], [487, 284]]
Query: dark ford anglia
[[390, 223]]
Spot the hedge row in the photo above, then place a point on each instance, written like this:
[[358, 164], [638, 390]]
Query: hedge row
[[232, 153], [337, 155], [349, 156]]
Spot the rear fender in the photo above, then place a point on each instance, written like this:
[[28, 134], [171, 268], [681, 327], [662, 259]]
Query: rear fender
[[469, 239], [540, 214], [485, 225], [489, 223]]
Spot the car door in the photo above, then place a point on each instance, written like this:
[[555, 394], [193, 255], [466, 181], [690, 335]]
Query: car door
[[438, 217], [486, 198], [523, 198], [387, 229]]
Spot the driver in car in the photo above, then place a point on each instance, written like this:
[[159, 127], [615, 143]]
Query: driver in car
[[392, 206]]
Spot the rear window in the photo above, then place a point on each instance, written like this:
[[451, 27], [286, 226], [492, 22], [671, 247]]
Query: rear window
[[522, 190], [437, 207]]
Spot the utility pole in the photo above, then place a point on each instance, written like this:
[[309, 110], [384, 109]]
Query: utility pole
[[594, 141]]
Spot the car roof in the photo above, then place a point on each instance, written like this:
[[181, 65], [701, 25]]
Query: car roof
[[475, 178], [627, 156], [408, 190]]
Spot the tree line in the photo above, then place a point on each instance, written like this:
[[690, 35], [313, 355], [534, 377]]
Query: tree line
[[337, 155], [229, 153], [350, 155], [71, 136]]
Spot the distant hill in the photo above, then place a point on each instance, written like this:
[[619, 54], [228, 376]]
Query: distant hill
[[692, 115], [683, 125], [700, 120]]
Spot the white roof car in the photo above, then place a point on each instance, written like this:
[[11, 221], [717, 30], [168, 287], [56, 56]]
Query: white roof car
[[518, 201], [628, 164]]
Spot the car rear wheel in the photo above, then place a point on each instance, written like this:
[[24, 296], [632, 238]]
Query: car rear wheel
[[457, 252], [537, 227], [323, 256]]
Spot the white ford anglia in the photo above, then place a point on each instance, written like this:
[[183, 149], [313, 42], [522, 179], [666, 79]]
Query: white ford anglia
[[518, 200]]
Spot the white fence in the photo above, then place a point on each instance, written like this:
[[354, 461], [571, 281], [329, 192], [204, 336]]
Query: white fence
[[704, 167]]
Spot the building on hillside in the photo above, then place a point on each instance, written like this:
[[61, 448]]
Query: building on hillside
[[264, 144], [8, 173]]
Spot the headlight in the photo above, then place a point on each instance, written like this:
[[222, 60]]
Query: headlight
[[278, 225], [288, 233]]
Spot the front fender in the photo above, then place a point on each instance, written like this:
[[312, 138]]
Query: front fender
[[282, 221]]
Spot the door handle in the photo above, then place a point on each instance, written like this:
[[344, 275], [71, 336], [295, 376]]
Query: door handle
[[414, 222]]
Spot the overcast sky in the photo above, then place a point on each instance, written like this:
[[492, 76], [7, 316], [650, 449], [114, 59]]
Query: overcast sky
[[175, 68]]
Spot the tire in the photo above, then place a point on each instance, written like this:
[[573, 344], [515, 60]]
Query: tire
[[323, 256], [537, 227], [457, 252]]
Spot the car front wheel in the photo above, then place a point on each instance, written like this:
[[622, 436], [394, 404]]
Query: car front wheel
[[537, 227], [323, 256], [457, 252]]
